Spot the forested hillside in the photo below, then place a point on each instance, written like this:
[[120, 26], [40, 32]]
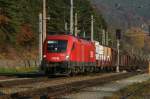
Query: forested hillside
[[19, 23], [132, 17]]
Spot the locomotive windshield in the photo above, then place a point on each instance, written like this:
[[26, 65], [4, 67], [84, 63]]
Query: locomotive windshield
[[56, 46]]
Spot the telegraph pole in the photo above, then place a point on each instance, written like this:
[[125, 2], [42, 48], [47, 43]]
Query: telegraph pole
[[44, 20], [103, 37], [149, 64], [118, 58], [148, 30], [66, 26], [107, 38], [76, 24], [71, 17], [118, 36], [92, 28], [40, 38], [84, 34], [149, 55]]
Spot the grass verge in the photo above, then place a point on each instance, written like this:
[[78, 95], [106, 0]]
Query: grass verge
[[13, 70]]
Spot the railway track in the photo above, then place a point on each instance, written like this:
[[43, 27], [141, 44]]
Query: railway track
[[20, 79], [50, 88]]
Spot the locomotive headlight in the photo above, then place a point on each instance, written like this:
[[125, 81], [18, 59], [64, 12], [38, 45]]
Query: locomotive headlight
[[44, 56], [67, 57]]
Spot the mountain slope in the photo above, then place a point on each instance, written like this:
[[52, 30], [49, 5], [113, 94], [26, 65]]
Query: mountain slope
[[124, 13]]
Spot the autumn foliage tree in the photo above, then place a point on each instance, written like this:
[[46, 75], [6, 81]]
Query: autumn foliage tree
[[6, 33], [147, 45], [3, 20], [135, 37], [25, 37]]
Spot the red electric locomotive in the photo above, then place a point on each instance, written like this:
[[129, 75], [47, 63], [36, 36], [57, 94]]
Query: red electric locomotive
[[65, 54]]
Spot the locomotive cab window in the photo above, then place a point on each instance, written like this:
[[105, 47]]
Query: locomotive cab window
[[56, 46]]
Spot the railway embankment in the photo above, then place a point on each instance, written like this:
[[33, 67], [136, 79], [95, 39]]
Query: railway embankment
[[59, 86]]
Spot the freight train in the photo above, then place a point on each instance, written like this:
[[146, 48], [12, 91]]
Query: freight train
[[67, 54]]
